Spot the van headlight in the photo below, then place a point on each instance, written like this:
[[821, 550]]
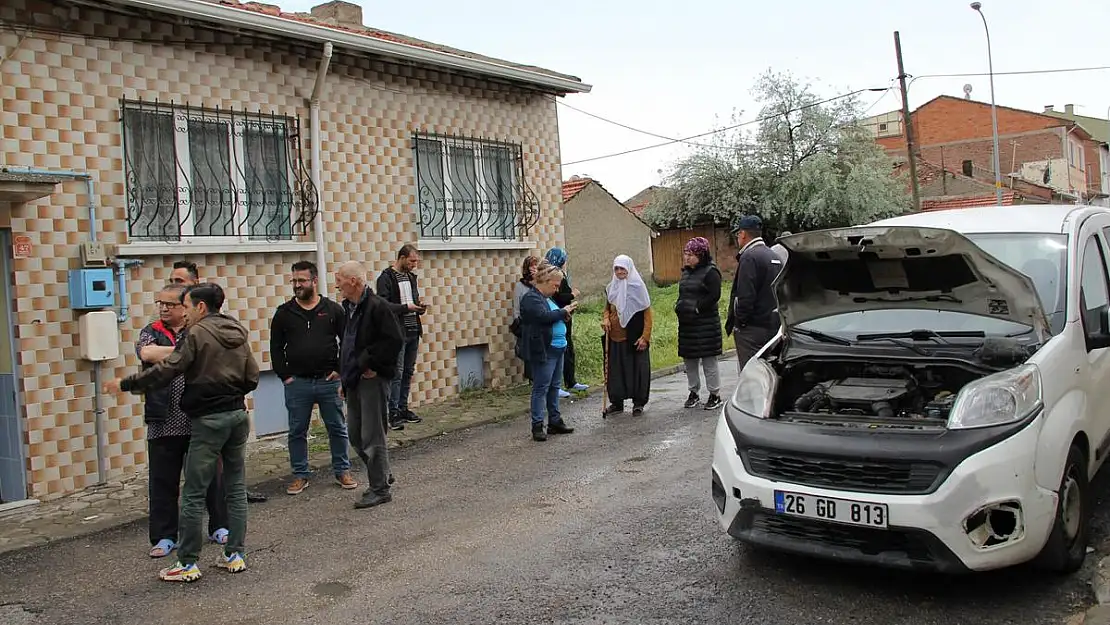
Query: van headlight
[[756, 389], [997, 399]]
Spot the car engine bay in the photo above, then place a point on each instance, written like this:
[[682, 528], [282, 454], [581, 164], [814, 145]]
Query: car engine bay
[[869, 394]]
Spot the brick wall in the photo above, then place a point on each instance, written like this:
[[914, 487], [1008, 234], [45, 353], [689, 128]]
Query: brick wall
[[60, 109]]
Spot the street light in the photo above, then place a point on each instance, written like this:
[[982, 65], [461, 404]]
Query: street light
[[977, 7]]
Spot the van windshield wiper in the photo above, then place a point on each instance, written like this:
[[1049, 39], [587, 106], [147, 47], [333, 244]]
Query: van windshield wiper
[[821, 336], [923, 335]]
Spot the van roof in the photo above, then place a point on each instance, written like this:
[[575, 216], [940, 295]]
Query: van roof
[[1046, 218]]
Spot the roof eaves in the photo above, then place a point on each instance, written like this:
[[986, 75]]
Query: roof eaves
[[350, 40]]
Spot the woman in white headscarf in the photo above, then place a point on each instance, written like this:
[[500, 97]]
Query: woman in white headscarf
[[626, 322]]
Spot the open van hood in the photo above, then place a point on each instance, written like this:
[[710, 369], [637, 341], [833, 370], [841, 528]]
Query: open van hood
[[889, 267]]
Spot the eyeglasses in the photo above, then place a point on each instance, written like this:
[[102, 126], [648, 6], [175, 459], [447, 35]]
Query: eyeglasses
[[170, 305]]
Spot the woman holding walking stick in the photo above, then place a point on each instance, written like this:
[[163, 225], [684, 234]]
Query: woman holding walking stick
[[626, 322]]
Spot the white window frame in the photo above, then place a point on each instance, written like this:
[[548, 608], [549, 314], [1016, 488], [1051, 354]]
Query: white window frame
[[485, 188], [237, 124]]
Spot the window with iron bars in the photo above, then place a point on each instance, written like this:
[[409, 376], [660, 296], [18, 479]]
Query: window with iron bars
[[196, 173], [471, 189]]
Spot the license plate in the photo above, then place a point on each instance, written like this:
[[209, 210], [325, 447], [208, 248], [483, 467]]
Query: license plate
[[830, 509]]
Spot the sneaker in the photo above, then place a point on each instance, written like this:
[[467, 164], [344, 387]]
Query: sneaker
[[396, 426], [297, 486], [538, 433], [579, 387], [563, 394], [346, 481], [693, 400], [255, 497], [234, 563], [714, 402], [409, 416], [180, 573], [559, 427]]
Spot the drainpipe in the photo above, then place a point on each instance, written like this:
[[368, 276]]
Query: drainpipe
[[316, 139]]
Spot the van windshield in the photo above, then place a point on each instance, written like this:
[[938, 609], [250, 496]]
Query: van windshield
[[1040, 256]]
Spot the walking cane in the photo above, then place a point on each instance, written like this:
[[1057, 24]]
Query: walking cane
[[605, 372]]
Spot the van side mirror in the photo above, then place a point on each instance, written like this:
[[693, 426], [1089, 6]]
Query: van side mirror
[[1100, 339]]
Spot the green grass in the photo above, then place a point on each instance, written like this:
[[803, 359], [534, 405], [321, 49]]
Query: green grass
[[664, 332]]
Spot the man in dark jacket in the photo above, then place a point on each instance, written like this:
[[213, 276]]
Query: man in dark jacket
[[397, 285], [753, 317], [168, 430], [372, 339], [304, 347], [219, 372]]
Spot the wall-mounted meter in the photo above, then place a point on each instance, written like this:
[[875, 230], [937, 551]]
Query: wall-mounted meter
[[91, 289]]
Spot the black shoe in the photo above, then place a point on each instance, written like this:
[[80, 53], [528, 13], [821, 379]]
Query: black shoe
[[693, 400], [409, 416], [538, 434], [714, 402], [637, 411], [559, 427], [396, 426], [370, 499], [255, 497], [614, 409], [391, 480]]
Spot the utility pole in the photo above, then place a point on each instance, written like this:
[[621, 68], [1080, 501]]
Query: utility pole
[[907, 127]]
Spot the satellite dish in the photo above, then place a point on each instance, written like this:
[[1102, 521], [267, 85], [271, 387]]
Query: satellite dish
[[967, 91]]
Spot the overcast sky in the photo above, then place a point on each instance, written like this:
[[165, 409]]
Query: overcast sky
[[677, 68]]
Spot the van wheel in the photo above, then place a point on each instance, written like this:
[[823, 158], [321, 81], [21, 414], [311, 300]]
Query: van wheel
[[1067, 542]]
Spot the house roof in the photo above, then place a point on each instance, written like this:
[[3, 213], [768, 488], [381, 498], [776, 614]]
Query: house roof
[[937, 204], [1099, 129], [574, 186], [270, 19], [637, 203]]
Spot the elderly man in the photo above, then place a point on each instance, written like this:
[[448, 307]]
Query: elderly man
[[752, 310], [372, 341]]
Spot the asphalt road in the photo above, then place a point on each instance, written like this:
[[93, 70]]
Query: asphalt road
[[612, 524]]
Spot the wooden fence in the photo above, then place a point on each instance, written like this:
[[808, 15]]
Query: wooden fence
[[666, 251]]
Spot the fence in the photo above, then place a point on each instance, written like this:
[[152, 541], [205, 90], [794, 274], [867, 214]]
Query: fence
[[666, 251]]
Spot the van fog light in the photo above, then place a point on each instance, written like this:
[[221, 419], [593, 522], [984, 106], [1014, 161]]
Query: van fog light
[[996, 524]]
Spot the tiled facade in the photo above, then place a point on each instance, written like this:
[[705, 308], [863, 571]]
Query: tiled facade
[[61, 110]]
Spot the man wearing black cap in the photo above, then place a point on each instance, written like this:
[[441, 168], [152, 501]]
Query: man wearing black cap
[[752, 310]]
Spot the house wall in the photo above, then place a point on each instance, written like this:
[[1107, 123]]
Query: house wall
[[598, 228], [60, 109]]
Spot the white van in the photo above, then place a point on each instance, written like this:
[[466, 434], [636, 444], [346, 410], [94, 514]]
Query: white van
[[938, 397]]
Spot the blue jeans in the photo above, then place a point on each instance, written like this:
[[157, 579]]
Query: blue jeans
[[300, 395], [401, 383], [547, 378]]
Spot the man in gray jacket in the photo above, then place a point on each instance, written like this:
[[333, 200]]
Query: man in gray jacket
[[753, 317]]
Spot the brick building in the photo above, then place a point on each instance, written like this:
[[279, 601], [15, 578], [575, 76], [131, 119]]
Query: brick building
[[955, 134], [245, 138]]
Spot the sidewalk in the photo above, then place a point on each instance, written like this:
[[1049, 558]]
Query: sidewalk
[[120, 502]]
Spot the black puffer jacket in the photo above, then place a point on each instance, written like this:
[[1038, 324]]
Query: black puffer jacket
[[699, 322]]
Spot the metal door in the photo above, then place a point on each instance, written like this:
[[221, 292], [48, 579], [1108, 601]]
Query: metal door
[[13, 476]]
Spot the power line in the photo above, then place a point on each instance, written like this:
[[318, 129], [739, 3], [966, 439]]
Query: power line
[[725, 129], [1021, 73]]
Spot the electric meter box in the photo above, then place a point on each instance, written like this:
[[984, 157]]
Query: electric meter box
[[99, 333], [91, 289]]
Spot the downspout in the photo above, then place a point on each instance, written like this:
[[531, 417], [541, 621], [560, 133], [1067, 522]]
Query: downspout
[[98, 403], [316, 139]]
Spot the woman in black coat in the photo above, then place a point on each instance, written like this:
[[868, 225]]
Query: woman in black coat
[[699, 321]]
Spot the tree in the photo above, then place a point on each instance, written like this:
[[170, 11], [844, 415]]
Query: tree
[[808, 165]]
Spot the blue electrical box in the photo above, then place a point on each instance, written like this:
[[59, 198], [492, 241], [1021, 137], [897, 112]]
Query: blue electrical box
[[91, 288]]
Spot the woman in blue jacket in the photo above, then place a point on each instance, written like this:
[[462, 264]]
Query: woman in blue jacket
[[543, 342]]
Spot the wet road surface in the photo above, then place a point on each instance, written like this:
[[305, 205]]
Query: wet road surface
[[612, 524]]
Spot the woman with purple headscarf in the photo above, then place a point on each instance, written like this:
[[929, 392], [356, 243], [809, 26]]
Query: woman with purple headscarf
[[699, 321]]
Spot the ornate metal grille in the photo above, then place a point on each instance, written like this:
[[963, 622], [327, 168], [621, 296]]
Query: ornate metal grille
[[197, 172], [471, 188]]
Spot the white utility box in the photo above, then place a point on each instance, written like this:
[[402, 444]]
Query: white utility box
[[99, 332]]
